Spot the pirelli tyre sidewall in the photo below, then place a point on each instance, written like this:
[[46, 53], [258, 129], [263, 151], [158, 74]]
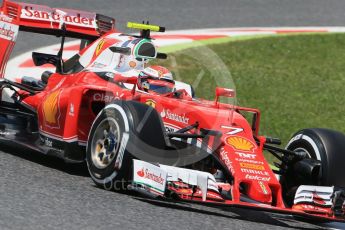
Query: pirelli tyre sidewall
[[325, 145], [139, 126], [113, 172]]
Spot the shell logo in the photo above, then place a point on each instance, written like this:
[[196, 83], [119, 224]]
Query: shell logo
[[51, 108], [240, 143], [132, 64]]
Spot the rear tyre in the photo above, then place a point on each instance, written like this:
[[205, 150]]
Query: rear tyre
[[325, 145]]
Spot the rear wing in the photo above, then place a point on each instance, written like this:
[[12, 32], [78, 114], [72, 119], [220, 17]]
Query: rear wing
[[45, 20]]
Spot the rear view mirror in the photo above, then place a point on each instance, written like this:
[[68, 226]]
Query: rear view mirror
[[41, 59], [224, 92], [145, 50], [162, 56]]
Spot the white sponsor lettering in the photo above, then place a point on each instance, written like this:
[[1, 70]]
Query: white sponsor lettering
[[48, 142], [103, 97], [297, 137], [170, 129], [249, 161], [233, 130], [123, 145], [225, 158], [149, 175], [72, 18], [166, 113], [256, 177], [246, 155], [8, 31], [5, 18]]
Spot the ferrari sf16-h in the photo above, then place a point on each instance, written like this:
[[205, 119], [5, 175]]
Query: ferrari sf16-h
[[151, 134]]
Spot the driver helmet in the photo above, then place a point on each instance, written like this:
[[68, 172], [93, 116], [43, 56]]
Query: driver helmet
[[156, 79]]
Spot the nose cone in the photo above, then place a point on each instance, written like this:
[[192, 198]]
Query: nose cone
[[259, 191]]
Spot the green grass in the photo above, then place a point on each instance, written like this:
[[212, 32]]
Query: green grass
[[296, 81]]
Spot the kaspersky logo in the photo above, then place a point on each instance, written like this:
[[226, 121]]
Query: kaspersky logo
[[145, 173]]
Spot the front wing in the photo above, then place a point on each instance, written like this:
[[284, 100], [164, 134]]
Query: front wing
[[171, 183]]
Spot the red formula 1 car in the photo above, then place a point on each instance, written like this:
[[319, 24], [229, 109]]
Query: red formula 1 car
[[164, 144]]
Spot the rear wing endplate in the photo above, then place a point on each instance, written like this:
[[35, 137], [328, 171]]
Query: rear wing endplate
[[45, 20]]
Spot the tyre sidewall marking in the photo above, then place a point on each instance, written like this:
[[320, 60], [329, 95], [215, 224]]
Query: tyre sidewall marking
[[123, 145]]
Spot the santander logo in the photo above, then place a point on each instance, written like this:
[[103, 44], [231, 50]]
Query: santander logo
[[145, 173], [73, 18], [166, 113], [141, 173]]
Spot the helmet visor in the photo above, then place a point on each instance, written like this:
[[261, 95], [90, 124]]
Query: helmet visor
[[161, 89], [160, 86]]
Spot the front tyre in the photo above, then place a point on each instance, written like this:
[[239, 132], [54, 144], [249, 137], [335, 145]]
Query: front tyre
[[121, 132], [325, 145], [105, 154]]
